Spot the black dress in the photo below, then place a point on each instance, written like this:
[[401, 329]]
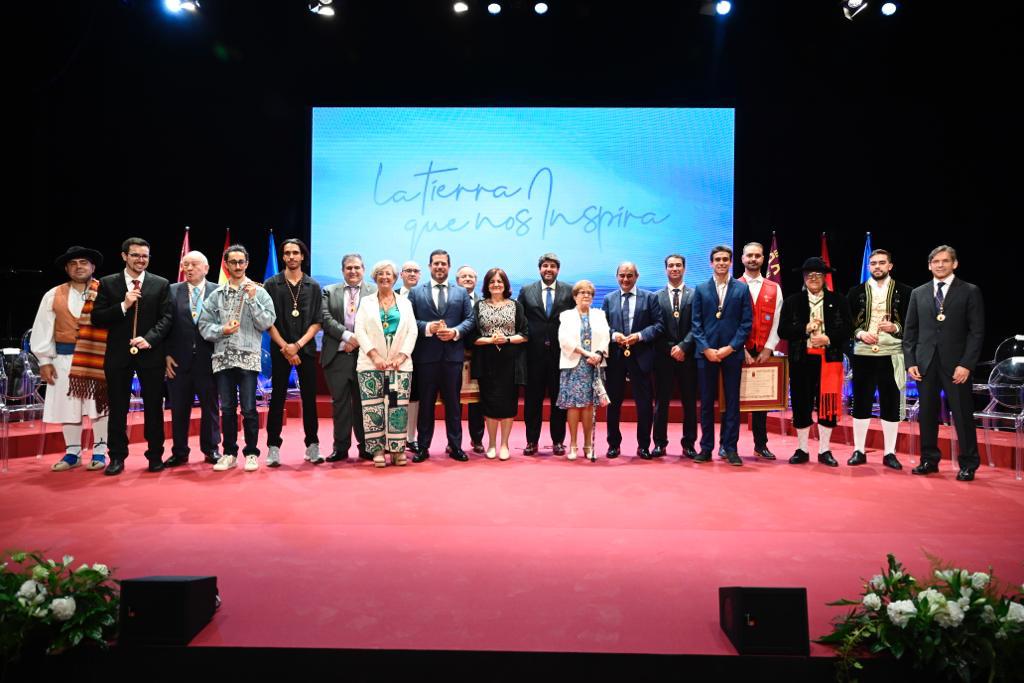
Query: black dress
[[495, 367]]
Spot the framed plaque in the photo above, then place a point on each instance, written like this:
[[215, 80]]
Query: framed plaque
[[470, 387], [763, 386]]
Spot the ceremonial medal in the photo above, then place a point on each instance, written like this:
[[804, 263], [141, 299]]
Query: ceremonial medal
[[718, 314], [194, 315], [134, 350], [234, 322], [675, 314], [940, 317], [627, 352], [875, 348], [295, 313], [586, 342]]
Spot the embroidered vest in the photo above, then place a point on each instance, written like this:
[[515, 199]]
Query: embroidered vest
[[764, 314], [65, 327]]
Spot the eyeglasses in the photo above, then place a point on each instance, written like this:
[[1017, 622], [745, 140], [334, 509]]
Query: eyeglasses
[[138, 256], [236, 262], [590, 294], [410, 270], [814, 276]]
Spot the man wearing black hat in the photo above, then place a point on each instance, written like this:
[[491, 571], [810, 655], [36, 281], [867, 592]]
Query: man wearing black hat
[[64, 342], [135, 307], [816, 322]]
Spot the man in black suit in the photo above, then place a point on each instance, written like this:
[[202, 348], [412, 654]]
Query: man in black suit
[[635, 323], [466, 277], [543, 301], [941, 345], [135, 307], [674, 362], [189, 368]]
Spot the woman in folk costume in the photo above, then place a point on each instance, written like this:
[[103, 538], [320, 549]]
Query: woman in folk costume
[[817, 325], [70, 353]]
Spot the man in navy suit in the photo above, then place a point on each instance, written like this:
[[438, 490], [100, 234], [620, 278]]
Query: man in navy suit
[[722, 318], [635, 323], [444, 315], [674, 362], [189, 368]]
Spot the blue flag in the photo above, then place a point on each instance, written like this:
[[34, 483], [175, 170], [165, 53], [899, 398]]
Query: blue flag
[[271, 270], [865, 272]]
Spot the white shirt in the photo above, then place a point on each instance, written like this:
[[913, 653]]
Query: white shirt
[[945, 290], [128, 283], [43, 344], [755, 291]]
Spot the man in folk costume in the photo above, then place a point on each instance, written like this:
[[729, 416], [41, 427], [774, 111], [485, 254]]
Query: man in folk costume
[[879, 309], [764, 335], [816, 323], [70, 352]]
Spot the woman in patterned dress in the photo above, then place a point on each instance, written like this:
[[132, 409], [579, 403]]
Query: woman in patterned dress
[[583, 334], [386, 334], [498, 363]]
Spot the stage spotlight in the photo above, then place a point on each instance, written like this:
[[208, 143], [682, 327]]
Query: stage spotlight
[[541, 8], [177, 6], [494, 8], [723, 7], [322, 7], [460, 7], [889, 9], [852, 8]]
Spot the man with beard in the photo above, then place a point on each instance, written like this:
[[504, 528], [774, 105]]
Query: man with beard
[[879, 310]]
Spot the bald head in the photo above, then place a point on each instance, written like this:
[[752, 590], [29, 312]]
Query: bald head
[[410, 274], [195, 266]]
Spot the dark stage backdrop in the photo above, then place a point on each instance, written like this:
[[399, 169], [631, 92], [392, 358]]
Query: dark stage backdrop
[[142, 123]]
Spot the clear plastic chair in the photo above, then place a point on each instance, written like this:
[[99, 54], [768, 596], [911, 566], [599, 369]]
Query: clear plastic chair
[[21, 396]]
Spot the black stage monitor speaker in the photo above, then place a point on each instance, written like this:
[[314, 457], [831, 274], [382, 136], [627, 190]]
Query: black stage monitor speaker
[[166, 610], [765, 621]]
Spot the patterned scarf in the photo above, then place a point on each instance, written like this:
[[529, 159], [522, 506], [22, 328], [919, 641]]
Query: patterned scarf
[[86, 379]]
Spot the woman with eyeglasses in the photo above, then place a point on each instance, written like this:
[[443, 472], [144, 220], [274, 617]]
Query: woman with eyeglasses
[[583, 335]]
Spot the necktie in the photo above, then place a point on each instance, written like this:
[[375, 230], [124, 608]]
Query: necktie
[[675, 300], [626, 322], [136, 285], [547, 301], [442, 299], [939, 297], [197, 304]]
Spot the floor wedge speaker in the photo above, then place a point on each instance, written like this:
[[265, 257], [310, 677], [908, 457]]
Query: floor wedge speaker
[[765, 621], [166, 610]]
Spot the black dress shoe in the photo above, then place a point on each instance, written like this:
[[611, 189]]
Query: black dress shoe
[[643, 453], [337, 457], [721, 452], [858, 458], [421, 455], [531, 449], [764, 453], [114, 468], [965, 474], [734, 458], [458, 454], [827, 459], [558, 449], [478, 447], [799, 457], [613, 452], [689, 452], [176, 461], [365, 455], [703, 456], [155, 466], [890, 461], [658, 452], [926, 468], [211, 458], [412, 446]]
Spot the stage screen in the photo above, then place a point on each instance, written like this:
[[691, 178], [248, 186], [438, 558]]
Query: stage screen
[[501, 186]]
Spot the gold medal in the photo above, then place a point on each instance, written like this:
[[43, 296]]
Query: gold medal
[[627, 352], [586, 342], [940, 317], [718, 315], [675, 314], [234, 323], [194, 315], [134, 350], [875, 348], [295, 313]]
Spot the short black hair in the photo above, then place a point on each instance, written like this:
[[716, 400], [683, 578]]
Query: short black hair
[[885, 252], [721, 247], [440, 252], [678, 256], [133, 242], [550, 256], [235, 247]]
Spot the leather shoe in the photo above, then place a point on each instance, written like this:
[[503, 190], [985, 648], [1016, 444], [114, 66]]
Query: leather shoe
[[114, 468], [734, 458], [477, 447], [364, 455], [689, 452], [643, 453], [926, 468], [211, 458], [531, 449], [858, 458], [176, 461], [337, 457], [558, 449], [412, 446], [458, 454], [965, 474], [421, 455], [764, 453], [613, 452], [703, 456], [827, 459], [658, 452], [721, 452], [799, 457], [890, 461], [155, 466]]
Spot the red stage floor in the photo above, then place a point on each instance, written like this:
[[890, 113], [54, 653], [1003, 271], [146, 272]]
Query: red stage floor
[[533, 554]]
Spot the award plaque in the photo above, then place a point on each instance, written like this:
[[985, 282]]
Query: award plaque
[[470, 387], [762, 386]]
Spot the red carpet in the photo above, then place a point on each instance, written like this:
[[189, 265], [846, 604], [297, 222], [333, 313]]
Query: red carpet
[[534, 554]]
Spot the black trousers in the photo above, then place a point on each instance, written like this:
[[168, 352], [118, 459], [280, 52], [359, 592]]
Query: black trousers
[[640, 383], [476, 422], [759, 418], [280, 370], [961, 407], [119, 391], [542, 380], [669, 374], [804, 389], [346, 406], [872, 373], [182, 389]]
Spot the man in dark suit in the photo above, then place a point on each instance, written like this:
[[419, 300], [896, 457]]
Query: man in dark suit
[[341, 351], [722, 318], [189, 368], [635, 323], [941, 345], [466, 277], [543, 301], [444, 315], [135, 307], [674, 363]]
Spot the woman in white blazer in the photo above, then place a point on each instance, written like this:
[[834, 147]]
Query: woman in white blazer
[[386, 334], [583, 336]]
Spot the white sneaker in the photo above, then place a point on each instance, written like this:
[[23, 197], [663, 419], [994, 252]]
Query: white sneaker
[[273, 457], [313, 453], [252, 463], [226, 462]]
